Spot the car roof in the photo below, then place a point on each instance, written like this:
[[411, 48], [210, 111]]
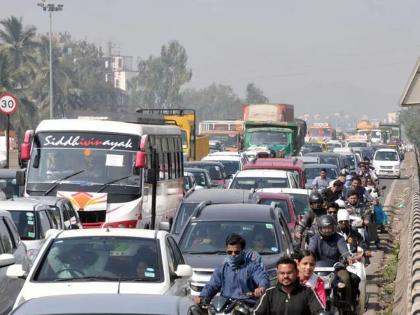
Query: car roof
[[314, 165], [195, 170], [115, 232], [225, 153], [103, 304], [386, 150], [48, 200], [219, 195], [275, 163], [236, 212], [262, 173], [221, 158], [297, 191], [20, 204], [272, 195], [322, 154], [203, 162], [4, 213]]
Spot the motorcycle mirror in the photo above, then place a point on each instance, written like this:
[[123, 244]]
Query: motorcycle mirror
[[383, 187]]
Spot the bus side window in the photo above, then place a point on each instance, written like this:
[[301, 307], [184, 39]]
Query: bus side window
[[179, 153]]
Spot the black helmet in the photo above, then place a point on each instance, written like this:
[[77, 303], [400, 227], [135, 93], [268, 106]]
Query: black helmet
[[326, 226], [315, 197]]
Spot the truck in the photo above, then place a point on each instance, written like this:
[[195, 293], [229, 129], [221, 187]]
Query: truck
[[227, 132], [393, 131], [273, 127], [321, 132]]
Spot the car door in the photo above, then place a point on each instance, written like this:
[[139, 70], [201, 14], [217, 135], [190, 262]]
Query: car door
[[9, 288], [179, 286]]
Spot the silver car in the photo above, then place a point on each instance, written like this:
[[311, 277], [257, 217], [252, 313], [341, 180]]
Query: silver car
[[12, 250]]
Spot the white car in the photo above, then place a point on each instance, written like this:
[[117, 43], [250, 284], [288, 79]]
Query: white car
[[12, 251], [232, 161], [261, 178], [105, 261], [387, 163]]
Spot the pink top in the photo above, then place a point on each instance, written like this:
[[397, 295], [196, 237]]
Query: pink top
[[317, 284]]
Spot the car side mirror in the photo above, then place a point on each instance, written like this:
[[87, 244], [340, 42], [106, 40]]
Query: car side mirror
[[74, 227], [16, 272], [383, 187], [6, 260], [164, 226], [184, 271]]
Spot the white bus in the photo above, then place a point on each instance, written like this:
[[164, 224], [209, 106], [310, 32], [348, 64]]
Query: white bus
[[107, 169]]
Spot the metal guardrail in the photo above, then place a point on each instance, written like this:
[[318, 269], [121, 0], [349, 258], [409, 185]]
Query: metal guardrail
[[414, 244]]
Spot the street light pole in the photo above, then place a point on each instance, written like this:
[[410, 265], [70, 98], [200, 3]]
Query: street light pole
[[50, 7]]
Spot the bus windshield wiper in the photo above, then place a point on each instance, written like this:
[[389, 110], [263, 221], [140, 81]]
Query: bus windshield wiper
[[58, 182], [111, 182]]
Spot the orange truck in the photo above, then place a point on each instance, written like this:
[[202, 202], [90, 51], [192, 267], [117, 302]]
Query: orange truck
[[228, 132]]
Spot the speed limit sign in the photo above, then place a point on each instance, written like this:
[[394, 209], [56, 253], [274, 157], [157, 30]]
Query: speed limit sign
[[8, 103]]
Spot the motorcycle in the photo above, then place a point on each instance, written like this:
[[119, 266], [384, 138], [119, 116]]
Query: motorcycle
[[224, 305], [336, 304]]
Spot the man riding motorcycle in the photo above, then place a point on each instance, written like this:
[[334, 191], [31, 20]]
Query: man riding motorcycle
[[330, 247], [237, 276], [316, 202]]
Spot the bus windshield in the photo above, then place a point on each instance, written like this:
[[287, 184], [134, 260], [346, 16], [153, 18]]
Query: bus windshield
[[226, 139], [268, 137], [86, 159]]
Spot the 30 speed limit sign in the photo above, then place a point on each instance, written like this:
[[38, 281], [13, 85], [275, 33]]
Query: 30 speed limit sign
[[8, 103]]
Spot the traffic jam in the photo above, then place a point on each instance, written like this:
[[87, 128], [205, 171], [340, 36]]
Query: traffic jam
[[264, 215]]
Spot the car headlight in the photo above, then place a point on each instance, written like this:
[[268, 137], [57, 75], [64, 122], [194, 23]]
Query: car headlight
[[397, 167]]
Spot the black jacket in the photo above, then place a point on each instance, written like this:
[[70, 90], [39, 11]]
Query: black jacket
[[301, 301]]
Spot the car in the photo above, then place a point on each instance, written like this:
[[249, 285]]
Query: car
[[293, 165], [387, 163], [12, 251], [312, 171], [8, 183], [213, 196], [33, 219], [106, 304], [216, 146], [189, 182], [201, 176], [202, 240], [356, 144], [331, 158], [260, 178], [311, 147], [333, 144], [108, 260], [300, 198], [309, 159], [283, 202], [65, 216], [232, 161], [216, 170]]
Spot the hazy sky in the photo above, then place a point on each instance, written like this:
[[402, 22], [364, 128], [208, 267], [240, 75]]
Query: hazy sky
[[321, 55]]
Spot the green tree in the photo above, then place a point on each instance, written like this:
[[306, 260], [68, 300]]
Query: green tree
[[255, 95], [410, 118], [214, 102], [160, 79]]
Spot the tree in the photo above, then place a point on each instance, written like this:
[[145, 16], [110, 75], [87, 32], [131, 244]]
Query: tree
[[410, 118], [255, 95], [214, 102], [160, 79]]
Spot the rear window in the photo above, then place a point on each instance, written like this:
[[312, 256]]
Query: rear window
[[282, 204], [25, 223], [254, 182], [182, 216]]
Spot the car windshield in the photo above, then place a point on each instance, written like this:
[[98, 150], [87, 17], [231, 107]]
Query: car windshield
[[312, 172], [350, 161], [259, 182], [200, 178], [231, 167], [215, 171], [268, 137], [301, 203], [357, 144], [325, 159], [93, 158], [108, 258], [282, 204], [183, 214], [226, 140], [9, 187], [209, 236], [386, 156], [25, 223]]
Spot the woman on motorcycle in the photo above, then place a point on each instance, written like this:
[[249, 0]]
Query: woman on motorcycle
[[306, 261]]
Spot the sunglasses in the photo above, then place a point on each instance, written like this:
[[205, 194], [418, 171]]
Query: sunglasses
[[230, 252]]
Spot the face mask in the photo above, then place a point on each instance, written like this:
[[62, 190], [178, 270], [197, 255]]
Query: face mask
[[235, 261]]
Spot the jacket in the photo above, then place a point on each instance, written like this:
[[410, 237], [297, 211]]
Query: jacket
[[329, 196], [318, 285], [236, 283], [307, 221], [329, 250], [301, 301]]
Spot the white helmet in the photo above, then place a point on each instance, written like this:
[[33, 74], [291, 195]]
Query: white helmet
[[343, 215], [341, 204]]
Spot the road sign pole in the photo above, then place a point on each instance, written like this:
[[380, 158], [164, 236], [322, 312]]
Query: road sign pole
[[7, 142]]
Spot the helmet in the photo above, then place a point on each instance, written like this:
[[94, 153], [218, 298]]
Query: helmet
[[315, 197], [343, 215], [326, 226], [344, 172], [341, 203]]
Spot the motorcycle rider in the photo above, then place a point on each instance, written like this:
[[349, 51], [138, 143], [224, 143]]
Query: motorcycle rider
[[352, 237], [237, 276], [316, 202], [288, 296], [329, 246], [332, 210], [321, 182], [333, 192]]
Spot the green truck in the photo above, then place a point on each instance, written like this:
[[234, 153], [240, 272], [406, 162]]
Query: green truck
[[393, 132], [282, 139]]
